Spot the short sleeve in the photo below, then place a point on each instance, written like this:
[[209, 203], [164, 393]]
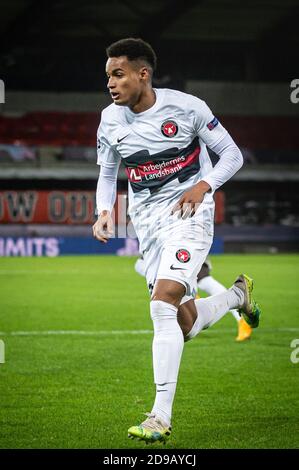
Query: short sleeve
[[207, 126]]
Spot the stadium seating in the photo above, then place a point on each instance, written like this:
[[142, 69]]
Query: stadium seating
[[61, 129], [50, 128]]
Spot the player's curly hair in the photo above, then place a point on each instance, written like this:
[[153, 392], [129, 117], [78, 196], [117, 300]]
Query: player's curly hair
[[133, 49]]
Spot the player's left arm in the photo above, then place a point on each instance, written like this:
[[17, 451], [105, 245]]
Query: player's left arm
[[216, 137]]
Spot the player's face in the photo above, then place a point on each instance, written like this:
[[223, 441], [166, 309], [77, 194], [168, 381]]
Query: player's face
[[125, 80]]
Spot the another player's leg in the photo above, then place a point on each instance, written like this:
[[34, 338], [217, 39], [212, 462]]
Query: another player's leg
[[244, 330], [168, 346]]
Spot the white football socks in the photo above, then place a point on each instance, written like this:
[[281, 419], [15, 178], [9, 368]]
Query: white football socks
[[163, 401], [209, 285], [211, 309], [168, 346]]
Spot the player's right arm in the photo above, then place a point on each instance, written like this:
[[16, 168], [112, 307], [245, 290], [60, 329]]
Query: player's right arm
[[103, 229], [109, 161]]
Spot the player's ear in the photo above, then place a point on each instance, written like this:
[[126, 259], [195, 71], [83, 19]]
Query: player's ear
[[144, 73]]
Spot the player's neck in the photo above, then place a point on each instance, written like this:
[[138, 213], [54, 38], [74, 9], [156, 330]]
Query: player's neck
[[146, 101]]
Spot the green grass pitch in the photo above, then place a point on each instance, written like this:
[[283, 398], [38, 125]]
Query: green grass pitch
[[83, 390]]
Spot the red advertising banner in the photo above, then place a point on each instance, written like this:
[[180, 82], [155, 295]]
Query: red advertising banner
[[42, 207], [66, 207]]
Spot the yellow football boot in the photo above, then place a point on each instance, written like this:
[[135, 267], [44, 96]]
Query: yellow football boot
[[244, 330], [153, 429]]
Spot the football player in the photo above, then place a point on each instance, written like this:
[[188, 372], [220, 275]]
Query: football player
[[162, 135]]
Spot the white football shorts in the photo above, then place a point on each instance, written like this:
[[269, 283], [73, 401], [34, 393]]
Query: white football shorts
[[179, 259]]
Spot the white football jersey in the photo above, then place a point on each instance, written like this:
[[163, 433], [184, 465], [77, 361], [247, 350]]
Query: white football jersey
[[164, 153]]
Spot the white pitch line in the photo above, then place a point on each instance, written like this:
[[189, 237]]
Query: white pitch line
[[76, 332], [4, 272], [126, 332]]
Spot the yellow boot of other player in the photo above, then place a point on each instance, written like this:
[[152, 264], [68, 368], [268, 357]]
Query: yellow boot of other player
[[244, 330]]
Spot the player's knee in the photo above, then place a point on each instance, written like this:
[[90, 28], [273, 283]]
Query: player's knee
[[168, 297], [162, 310], [170, 292]]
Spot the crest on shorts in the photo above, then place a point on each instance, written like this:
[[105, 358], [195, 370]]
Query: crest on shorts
[[169, 128], [183, 256]]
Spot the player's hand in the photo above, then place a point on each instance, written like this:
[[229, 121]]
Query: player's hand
[[189, 202], [103, 228]]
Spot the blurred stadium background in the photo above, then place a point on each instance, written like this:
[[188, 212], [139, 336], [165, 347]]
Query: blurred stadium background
[[66, 342], [238, 56]]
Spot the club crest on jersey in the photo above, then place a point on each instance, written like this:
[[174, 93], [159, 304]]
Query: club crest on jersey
[[169, 128], [183, 256]]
